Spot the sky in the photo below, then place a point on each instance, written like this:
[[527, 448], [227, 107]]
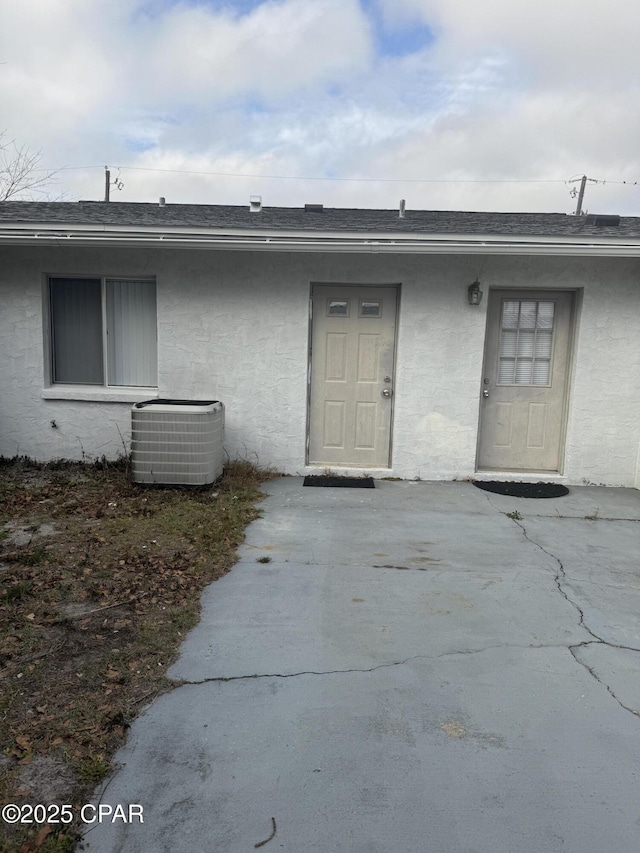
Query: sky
[[497, 105]]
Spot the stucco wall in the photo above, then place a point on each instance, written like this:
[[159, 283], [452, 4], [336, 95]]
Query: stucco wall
[[234, 327]]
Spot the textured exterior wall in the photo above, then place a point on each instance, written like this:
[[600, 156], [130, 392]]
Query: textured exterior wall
[[235, 327], [604, 418]]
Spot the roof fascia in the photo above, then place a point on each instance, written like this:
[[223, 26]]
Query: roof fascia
[[309, 241]]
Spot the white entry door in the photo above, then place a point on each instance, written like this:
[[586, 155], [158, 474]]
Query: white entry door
[[352, 375], [526, 369]]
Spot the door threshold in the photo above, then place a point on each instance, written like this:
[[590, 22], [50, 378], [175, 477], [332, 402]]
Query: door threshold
[[345, 471], [520, 476]]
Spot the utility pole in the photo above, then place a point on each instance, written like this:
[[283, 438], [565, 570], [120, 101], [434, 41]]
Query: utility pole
[[107, 183], [583, 184]]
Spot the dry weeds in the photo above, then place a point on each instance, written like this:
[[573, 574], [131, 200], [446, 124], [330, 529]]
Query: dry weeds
[[100, 580]]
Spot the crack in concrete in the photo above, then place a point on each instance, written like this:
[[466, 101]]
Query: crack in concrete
[[389, 664], [221, 678], [595, 675], [561, 576], [593, 518]]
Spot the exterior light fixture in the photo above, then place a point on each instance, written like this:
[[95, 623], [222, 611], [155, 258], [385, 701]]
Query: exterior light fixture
[[474, 293]]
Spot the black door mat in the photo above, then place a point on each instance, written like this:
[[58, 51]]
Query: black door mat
[[339, 482], [523, 490]]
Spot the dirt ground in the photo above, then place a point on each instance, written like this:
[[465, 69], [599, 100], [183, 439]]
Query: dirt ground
[[99, 581]]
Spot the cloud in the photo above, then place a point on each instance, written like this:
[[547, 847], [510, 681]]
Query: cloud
[[196, 53], [568, 43], [406, 89], [70, 57]]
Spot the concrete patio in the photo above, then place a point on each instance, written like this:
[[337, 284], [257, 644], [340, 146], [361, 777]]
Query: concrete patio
[[418, 667]]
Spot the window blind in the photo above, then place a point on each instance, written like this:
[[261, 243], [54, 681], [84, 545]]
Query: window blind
[[132, 350], [76, 328]]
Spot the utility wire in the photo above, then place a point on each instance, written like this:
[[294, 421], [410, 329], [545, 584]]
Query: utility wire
[[357, 180], [315, 178]]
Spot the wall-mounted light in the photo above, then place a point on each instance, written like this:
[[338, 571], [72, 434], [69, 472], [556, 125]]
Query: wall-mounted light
[[474, 293]]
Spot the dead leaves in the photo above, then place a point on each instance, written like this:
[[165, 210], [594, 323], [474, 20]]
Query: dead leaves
[[95, 617], [37, 842], [23, 751]]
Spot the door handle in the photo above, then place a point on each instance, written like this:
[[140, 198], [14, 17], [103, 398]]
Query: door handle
[[386, 392], [485, 393]]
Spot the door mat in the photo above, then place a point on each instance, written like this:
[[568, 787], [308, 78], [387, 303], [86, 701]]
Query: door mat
[[523, 490], [339, 482]]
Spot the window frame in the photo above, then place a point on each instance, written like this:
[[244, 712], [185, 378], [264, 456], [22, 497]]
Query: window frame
[[363, 315], [49, 336], [549, 359], [341, 301]]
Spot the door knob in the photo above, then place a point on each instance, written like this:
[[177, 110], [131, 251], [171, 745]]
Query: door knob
[[485, 393], [386, 392]]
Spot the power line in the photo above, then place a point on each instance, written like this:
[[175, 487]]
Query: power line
[[316, 178], [602, 181], [355, 180], [359, 180]]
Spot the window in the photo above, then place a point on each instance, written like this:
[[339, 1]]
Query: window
[[103, 331], [526, 339], [370, 309], [337, 307]]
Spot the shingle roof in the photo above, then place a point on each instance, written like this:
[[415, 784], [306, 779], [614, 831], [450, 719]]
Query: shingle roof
[[333, 220]]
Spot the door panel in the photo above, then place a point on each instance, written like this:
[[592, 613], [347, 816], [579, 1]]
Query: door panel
[[352, 364], [524, 389], [336, 359], [334, 424]]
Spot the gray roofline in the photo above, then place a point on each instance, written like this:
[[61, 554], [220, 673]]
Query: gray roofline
[[293, 229], [304, 241]]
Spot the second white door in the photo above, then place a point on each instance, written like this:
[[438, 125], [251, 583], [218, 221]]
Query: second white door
[[352, 375], [526, 370]]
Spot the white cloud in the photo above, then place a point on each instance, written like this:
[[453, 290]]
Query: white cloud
[[275, 50], [293, 87], [559, 42]]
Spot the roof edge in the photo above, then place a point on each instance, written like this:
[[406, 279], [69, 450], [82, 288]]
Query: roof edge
[[304, 241]]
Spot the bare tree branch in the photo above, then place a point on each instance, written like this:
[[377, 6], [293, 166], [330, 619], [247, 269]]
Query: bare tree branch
[[20, 172]]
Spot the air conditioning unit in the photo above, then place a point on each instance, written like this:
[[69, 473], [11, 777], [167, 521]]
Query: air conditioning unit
[[177, 442]]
